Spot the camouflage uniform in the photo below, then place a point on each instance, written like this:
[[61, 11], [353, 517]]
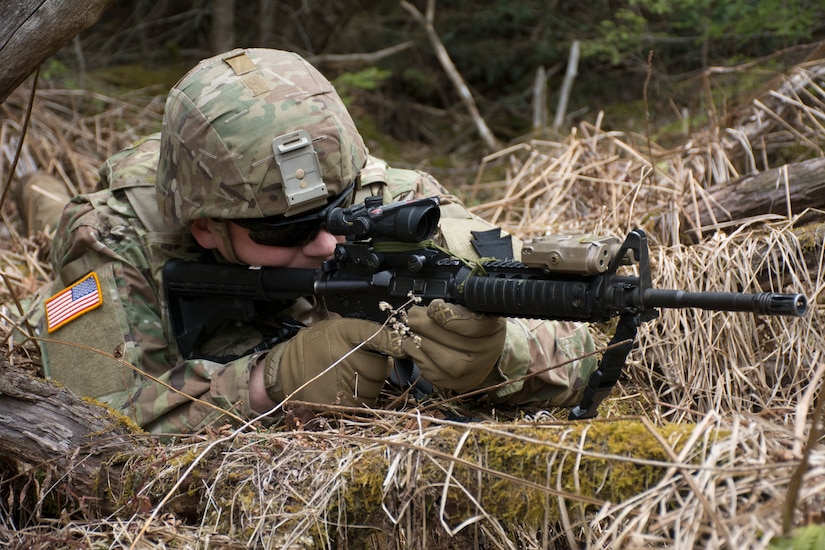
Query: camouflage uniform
[[122, 350]]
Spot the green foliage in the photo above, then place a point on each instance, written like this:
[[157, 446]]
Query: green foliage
[[616, 37], [350, 83], [502, 43], [809, 537], [790, 19], [692, 31]]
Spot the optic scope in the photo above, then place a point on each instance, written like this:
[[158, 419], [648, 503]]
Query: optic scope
[[406, 221]]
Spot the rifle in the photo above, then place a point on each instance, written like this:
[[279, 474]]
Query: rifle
[[387, 257]]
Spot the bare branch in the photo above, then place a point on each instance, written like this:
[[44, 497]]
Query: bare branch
[[453, 74], [567, 85], [359, 58]]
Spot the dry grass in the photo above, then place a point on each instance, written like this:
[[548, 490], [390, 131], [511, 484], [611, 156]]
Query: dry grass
[[712, 440]]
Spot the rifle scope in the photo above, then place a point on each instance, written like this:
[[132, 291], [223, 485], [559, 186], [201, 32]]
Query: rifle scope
[[405, 221]]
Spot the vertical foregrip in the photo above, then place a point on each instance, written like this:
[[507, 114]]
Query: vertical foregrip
[[540, 299]]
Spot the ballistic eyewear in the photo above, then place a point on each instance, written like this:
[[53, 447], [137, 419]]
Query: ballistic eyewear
[[294, 231]]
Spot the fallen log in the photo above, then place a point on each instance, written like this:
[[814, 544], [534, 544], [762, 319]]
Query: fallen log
[[45, 427], [782, 192], [375, 487], [281, 486]]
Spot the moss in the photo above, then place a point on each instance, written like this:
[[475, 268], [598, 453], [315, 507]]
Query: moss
[[809, 537], [810, 236], [115, 417], [366, 481], [544, 457]]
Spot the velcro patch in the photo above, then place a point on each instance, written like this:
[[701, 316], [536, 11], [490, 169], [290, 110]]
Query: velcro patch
[[256, 84], [241, 63], [73, 301]]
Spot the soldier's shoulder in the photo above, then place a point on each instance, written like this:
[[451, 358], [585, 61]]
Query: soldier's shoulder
[[399, 181], [135, 165]]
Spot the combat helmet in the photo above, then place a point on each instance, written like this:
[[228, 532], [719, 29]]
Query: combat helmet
[[254, 133]]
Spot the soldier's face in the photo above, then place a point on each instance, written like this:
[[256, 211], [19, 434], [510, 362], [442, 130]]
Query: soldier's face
[[307, 255], [310, 254]]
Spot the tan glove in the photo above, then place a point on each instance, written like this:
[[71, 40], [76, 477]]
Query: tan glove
[[454, 347], [356, 380], [457, 348]]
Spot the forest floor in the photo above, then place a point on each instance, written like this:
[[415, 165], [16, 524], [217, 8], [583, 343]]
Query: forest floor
[[712, 438]]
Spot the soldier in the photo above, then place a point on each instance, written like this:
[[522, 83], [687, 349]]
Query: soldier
[[255, 146]]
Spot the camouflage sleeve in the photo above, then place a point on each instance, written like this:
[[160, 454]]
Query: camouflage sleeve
[[543, 363], [122, 351], [189, 396]]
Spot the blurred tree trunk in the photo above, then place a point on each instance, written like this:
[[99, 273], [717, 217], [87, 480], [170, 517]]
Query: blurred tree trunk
[[33, 30], [222, 37], [266, 22]]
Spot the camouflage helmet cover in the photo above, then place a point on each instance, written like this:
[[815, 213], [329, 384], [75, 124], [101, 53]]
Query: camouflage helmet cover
[[222, 126]]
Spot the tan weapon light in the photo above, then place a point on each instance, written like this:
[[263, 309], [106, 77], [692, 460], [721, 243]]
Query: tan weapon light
[[580, 254]]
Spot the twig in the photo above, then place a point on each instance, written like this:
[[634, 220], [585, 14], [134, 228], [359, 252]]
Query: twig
[[22, 137]]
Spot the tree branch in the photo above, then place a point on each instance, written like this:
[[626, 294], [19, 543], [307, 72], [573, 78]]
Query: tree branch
[[453, 74]]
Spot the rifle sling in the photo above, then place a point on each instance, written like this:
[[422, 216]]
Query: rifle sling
[[604, 378]]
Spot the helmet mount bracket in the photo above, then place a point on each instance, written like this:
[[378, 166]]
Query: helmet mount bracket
[[301, 172]]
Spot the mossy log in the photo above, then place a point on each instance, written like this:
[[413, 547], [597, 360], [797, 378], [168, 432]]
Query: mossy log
[[785, 191], [45, 428], [89, 461], [33, 30], [522, 475], [374, 491]]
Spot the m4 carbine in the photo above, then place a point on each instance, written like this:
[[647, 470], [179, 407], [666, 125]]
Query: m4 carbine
[[388, 257]]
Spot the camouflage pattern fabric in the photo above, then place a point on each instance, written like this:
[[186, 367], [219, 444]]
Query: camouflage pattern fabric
[[236, 102], [50, 196], [124, 354]]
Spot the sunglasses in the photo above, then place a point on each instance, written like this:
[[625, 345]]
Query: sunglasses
[[282, 231]]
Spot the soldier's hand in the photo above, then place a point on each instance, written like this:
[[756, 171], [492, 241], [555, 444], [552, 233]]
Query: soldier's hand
[[355, 380], [455, 348]]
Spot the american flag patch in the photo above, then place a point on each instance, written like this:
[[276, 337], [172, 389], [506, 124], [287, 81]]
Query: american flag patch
[[73, 302]]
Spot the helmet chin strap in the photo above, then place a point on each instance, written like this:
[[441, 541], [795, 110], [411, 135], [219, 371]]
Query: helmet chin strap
[[220, 228]]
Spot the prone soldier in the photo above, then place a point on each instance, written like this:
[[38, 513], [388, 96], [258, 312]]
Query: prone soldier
[[256, 146]]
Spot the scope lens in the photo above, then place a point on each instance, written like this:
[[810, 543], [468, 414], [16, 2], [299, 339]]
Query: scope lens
[[416, 224]]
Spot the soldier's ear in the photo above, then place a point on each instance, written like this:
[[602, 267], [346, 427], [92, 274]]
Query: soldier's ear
[[204, 233]]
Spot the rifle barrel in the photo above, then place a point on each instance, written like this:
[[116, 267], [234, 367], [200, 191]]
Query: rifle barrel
[[764, 303]]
